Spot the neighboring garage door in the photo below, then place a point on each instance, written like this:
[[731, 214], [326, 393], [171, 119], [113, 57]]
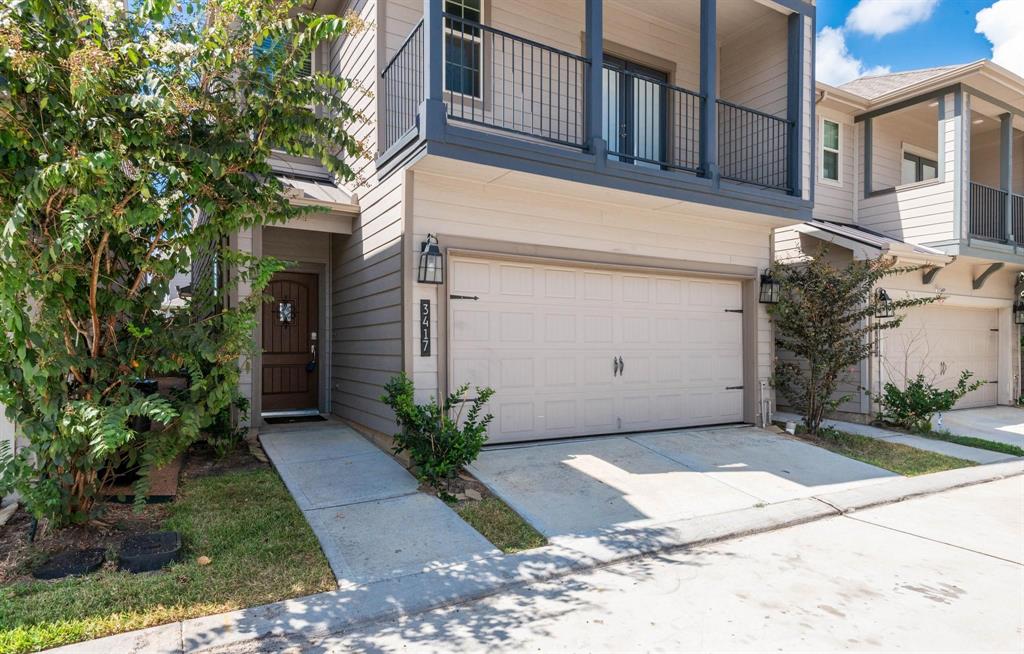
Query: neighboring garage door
[[940, 341], [549, 339]]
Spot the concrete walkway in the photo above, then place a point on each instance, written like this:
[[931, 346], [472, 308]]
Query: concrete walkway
[[364, 507], [919, 442]]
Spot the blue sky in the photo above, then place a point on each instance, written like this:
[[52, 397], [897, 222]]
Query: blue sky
[[857, 37]]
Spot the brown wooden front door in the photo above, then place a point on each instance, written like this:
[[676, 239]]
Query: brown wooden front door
[[290, 346]]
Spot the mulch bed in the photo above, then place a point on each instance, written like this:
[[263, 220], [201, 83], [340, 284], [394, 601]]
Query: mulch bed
[[118, 520]]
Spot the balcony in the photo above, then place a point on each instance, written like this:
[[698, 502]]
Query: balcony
[[988, 215], [630, 114]]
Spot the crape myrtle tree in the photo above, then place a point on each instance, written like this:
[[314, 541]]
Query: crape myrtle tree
[[825, 324], [132, 140]]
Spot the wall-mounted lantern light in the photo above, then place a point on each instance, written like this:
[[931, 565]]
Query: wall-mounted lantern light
[[1018, 312], [771, 290], [431, 268], [884, 308]]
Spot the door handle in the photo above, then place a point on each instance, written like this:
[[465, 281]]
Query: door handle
[[622, 365], [615, 367]]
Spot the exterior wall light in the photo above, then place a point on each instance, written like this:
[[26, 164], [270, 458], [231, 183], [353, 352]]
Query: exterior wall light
[[884, 308], [771, 290], [431, 268], [1018, 312]]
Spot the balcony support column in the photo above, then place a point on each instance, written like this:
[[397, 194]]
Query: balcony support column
[[795, 102], [432, 110], [594, 96], [1006, 169], [709, 90]]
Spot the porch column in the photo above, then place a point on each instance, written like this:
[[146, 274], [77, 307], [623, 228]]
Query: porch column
[[868, 156], [795, 102], [1006, 169], [709, 89], [432, 111], [593, 118]]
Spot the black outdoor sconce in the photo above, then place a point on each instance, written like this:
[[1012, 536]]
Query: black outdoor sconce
[[884, 308], [431, 268], [1018, 312], [771, 290]]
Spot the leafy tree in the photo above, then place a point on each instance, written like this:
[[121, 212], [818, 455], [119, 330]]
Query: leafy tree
[[132, 141], [824, 325]]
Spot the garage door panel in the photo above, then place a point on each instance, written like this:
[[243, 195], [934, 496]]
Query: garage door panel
[[545, 338], [939, 342]]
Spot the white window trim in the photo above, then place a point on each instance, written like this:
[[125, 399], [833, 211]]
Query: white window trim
[[479, 40], [821, 153]]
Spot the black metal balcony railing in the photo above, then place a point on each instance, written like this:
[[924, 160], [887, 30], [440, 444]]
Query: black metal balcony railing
[[498, 80], [1018, 218], [402, 87], [649, 121], [503, 81], [988, 212], [753, 146]]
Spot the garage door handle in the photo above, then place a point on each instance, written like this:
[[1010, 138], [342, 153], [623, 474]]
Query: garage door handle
[[622, 365], [617, 366]]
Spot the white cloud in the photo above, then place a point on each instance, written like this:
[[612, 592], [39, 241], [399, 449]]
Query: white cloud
[[835, 65], [1003, 25], [881, 17]]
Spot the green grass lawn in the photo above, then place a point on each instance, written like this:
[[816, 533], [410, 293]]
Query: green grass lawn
[[501, 525], [973, 441], [261, 550], [898, 458]]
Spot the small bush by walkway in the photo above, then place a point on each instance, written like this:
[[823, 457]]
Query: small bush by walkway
[[899, 458], [260, 548]]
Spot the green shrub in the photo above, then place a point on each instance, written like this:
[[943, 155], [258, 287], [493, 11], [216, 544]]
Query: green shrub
[[913, 407], [224, 433], [437, 437]]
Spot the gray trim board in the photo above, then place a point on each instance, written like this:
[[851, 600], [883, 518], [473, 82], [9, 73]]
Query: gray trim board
[[909, 102], [709, 89], [868, 155], [1006, 167], [594, 52], [958, 163], [501, 151], [1005, 106], [795, 102], [799, 6]]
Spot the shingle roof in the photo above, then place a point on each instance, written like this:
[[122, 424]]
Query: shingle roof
[[875, 86]]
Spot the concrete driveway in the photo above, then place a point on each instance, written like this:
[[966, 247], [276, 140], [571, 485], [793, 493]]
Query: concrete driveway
[[1004, 424], [587, 486]]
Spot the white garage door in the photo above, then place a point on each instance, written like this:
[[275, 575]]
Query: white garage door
[[549, 339], [939, 342]]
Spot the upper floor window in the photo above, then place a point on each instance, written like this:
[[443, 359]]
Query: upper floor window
[[917, 168], [830, 151], [463, 43]]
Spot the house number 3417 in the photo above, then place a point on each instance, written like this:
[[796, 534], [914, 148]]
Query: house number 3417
[[424, 328]]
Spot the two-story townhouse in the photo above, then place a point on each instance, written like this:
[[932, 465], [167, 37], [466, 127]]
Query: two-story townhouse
[[927, 167], [571, 202]]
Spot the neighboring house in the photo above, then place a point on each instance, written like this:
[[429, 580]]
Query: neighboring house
[[602, 180], [927, 166]]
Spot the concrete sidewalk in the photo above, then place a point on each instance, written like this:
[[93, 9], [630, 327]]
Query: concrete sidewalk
[[318, 616], [919, 442], [364, 507]]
